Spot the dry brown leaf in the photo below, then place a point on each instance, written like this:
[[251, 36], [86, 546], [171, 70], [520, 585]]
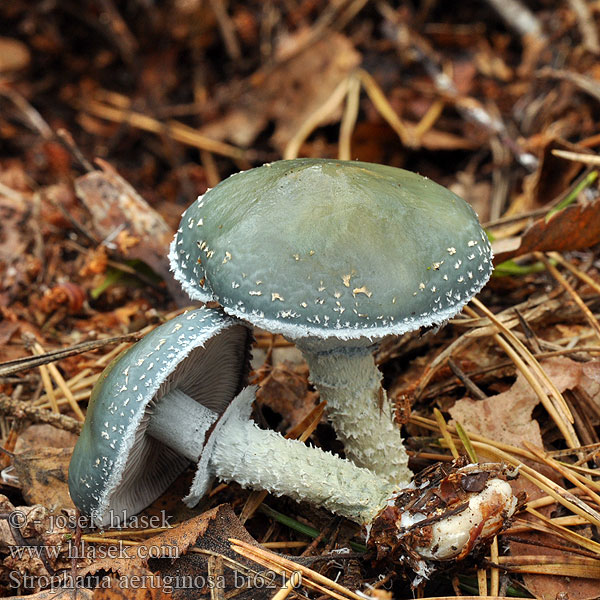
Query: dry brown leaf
[[577, 227], [28, 533], [44, 436], [290, 92], [507, 418], [552, 177], [43, 474], [180, 573], [184, 535], [172, 543], [42, 455], [222, 524]]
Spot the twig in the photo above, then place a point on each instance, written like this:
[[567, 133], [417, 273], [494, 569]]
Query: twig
[[473, 388], [567, 550], [227, 29], [526, 355], [210, 168], [482, 582], [560, 494], [36, 121], [316, 118], [10, 193], [334, 16], [385, 109], [585, 20], [30, 362], [586, 84], [494, 572], [122, 36], [46, 380], [444, 431], [518, 17], [580, 540], [432, 425], [178, 131], [294, 581], [349, 118], [309, 577], [24, 411], [584, 486], [470, 108], [81, 389], [429, 118], [577, 272], [586, 159], [66, 139]]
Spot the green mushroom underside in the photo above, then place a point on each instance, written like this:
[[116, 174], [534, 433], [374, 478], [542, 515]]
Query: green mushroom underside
[[113, 419], [329, 245], [116, 470]]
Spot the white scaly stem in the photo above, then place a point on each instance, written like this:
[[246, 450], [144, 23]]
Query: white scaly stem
[[360, 411], [181, 423], [265, 460], [238, 450]]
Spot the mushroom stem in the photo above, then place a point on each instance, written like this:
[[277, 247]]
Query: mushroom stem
[[359, 409], [181, 423], [442, 517], [265, 460]]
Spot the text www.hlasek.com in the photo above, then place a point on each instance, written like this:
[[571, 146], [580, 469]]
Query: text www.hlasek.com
[[83, 550]]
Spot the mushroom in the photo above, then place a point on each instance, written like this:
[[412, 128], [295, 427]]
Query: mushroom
[[336, 255], [118, 468], [172, 399]]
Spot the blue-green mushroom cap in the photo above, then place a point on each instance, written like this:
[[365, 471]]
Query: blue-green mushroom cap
[[319, 248], [117, 469]]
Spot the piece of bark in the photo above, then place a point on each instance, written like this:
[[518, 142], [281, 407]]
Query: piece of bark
[[118, 210]]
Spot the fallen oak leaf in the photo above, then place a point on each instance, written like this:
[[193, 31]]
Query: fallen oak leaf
[[291, 92], [171, 544], [507, 417], [166, 563], [215, 570], [577, 227]]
